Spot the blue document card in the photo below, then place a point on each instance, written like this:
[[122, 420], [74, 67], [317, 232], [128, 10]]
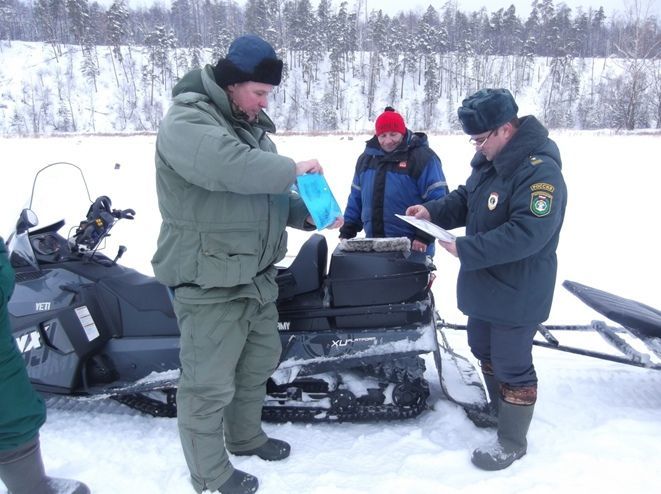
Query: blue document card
[[319, 199]]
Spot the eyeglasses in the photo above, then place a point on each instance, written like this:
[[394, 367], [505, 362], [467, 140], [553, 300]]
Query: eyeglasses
[[480, 141]]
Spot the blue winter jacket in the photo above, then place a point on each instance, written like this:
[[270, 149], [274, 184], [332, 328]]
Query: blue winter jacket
[[385, 184]]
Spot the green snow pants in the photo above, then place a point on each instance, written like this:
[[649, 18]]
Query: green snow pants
[[22, 410], [228, 352]]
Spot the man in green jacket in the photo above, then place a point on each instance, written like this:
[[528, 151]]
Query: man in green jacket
[[22, 411], [225, 197]]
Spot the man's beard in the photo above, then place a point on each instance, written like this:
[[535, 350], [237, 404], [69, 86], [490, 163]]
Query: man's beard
[[241, 114]]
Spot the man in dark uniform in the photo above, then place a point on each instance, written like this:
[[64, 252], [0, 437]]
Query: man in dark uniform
[[22, 412], [512, 206]]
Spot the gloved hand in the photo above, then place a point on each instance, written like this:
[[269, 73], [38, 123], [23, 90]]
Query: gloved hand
[[348, 230]]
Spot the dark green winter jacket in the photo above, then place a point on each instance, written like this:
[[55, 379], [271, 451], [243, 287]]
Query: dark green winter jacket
[[22, 411], [513, 209], [224, 195]]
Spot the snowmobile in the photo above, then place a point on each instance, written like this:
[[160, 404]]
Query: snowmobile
[[353, 330], [85, 324]]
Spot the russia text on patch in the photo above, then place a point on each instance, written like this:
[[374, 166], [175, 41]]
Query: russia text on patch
[[542, 186]]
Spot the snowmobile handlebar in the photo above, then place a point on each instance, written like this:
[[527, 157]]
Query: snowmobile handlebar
[[100, 219], [124, 214]]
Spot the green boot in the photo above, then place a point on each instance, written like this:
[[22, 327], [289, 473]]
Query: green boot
[[22, 471], [513, 424], [271, 450], [239, 483]]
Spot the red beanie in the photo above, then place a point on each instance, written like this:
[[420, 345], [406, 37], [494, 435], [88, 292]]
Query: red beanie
[[389, 121]]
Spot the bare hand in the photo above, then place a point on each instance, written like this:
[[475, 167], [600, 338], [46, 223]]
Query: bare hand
[[339, 221], [451, 247], [418, 246], [419, 211], [309, 166]]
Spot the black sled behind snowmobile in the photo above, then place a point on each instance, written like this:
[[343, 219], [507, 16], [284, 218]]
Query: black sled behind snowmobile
[[637, 322]]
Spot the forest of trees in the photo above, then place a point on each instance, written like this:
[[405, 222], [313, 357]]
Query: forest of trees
[[423, 61]]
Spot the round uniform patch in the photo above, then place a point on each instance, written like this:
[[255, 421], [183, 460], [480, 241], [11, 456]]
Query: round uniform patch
[[492, 202], [540, 203]]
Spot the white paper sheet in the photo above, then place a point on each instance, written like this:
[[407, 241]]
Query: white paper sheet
[[428, 227]]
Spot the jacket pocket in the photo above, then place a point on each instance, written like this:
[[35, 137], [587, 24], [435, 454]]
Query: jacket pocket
[[281, 250], [490, 296], [228, 258], [221, 319]]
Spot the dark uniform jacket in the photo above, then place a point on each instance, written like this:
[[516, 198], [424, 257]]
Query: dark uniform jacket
[[385, 184], [22, 411], [513, 208]]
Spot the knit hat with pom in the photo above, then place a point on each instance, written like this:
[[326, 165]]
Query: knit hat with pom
[[389, 121]]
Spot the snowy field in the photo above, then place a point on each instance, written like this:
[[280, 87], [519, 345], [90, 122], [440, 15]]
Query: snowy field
[[597, 424]]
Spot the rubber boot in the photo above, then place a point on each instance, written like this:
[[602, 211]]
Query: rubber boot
[[239, 483], [271, 450], [22, 471], [513, 424]]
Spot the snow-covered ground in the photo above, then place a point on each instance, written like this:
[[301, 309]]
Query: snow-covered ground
[[597, 425]]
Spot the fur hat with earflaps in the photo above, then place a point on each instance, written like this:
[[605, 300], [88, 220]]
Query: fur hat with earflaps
[[486, 110], [249, 58]]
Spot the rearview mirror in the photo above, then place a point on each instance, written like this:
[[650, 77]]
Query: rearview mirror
[[26, 220]]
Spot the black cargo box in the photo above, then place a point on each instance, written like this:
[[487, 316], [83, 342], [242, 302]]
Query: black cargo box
[[367, 278]]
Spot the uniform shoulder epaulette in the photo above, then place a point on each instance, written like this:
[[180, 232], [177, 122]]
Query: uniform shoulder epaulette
[[536, 160]]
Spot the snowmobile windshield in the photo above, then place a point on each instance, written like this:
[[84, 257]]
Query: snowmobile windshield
[[58, 198], [21, 251], [60, 192]]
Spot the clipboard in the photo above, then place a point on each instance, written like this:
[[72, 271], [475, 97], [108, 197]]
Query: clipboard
[[428, 227]]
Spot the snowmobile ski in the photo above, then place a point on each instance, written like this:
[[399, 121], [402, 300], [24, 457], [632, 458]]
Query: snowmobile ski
[[460, 381]]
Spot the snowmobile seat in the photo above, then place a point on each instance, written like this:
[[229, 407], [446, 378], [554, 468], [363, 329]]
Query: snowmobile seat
[[635, 316], [307, 272]]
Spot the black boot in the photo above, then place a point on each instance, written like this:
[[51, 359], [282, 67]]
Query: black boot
[[22, 471], [271, 450], [239, 483], [513, 424]]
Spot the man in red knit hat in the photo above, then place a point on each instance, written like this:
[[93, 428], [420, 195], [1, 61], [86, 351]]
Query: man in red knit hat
[[396, 170]]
